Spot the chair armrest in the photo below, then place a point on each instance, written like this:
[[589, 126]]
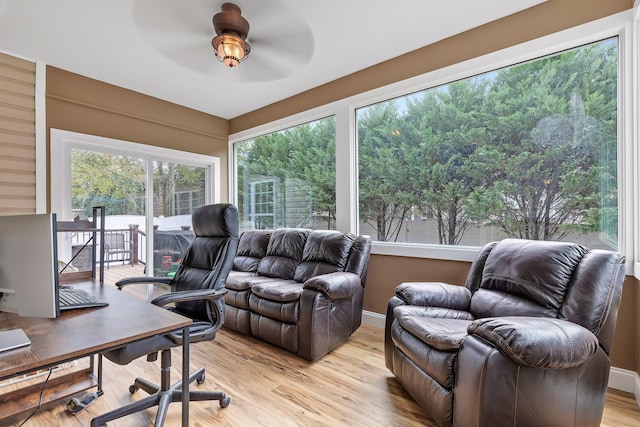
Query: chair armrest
[[142, 279], [435, 294], [335, 286], [199, 330], [184, 296], [537, 342]]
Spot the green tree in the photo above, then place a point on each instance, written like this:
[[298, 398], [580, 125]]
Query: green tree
[[386, 194], [448, 128], [99, 179], [555, 152], [303, 155]]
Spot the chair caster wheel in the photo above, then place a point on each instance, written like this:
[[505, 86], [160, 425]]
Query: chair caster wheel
[[225, 402], [133, 388], [200, 379]]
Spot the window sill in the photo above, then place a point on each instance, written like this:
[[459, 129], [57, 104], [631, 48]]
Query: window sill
[[450, 253]]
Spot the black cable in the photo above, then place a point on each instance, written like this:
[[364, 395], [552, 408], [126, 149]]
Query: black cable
[[39, 400]]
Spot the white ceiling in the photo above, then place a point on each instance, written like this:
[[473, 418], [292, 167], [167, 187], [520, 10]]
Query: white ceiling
[[162, 48]]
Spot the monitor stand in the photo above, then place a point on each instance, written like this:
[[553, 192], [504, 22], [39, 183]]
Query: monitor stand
[[13, 338]]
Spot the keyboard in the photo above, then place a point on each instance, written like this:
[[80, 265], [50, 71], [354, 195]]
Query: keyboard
[[70, 298]]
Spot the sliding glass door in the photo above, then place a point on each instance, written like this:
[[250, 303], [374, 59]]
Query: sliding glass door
[[148, 193]]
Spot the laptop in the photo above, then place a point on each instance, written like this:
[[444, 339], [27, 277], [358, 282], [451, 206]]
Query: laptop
[[13, 338]]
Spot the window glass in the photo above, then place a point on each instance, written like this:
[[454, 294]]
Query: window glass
[[288, 178], [527, 151]]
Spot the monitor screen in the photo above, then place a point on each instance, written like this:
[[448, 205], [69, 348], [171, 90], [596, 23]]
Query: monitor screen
[[29, 265]]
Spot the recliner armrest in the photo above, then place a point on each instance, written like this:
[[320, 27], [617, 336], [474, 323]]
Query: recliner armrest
[[537, 342], [435, 294], [335, 286]]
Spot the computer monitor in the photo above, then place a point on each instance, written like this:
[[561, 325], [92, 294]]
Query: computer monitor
[[29, 265]]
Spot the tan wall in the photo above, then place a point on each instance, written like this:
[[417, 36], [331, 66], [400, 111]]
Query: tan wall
[[79, 104]]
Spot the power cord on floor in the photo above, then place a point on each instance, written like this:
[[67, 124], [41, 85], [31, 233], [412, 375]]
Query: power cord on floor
[[39, 399]]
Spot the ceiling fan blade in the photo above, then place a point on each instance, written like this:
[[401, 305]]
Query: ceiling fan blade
[[194, 57], [171, 16], [281, 41], [261, 68]]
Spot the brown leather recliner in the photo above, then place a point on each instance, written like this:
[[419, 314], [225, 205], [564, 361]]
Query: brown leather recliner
[[525, 342]]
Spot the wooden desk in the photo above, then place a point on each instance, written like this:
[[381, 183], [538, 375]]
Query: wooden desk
[[84, 332]]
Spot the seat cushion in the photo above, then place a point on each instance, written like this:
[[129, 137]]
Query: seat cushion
[[278, 290], [245, 281], [434, 363], [444, 334], [432, 343], [282, 312]]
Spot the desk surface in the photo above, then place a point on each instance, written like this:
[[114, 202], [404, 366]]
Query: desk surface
[[82, 332]]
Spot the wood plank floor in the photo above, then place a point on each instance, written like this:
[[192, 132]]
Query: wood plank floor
[[271, 387]]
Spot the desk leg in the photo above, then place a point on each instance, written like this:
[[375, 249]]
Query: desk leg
[[185, 376]]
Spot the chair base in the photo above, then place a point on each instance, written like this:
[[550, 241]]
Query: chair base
[[161, 396]]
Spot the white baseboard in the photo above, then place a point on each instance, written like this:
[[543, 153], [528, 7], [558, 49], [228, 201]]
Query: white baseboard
[[625, 380], [619, 379], [373, 319]]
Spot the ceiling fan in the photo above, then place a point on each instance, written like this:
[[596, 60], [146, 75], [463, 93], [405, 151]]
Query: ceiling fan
[[280, 42], [232, 29]]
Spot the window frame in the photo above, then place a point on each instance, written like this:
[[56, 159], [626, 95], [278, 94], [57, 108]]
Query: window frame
[[62, 142], [620, 25]]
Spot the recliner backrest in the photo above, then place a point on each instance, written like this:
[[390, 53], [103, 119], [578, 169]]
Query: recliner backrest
[[359, 255], [517, 277], [252, 247], [284, 252], [325, 251], [209, 257]]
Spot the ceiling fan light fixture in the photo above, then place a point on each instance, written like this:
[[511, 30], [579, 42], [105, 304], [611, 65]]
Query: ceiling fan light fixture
[[230, 49], [230, 43]]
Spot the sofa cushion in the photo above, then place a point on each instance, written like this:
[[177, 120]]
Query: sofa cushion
[[444, 334], [325, 251], [283, 252], [252, 247], [241, 281], [281, 290], [283, 311], [438, 364]]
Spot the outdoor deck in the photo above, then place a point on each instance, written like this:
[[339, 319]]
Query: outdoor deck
[[116, 272]]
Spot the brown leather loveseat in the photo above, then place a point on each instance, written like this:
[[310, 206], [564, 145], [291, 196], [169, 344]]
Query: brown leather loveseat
[[525, 342], [298, 289]]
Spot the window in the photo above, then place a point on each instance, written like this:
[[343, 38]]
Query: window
[[596, 109], [525, 151], [288, 178]]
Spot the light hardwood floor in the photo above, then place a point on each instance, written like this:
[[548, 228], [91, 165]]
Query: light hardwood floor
[[271, 387]]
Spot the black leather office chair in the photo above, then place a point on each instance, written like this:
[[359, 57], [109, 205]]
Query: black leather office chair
[[197, 291]]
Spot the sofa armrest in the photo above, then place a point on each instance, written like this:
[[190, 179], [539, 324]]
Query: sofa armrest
[[335, 286], [435, 294], [537, 342]]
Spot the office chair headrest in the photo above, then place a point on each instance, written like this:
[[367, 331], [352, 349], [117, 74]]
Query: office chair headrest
[[219, 220]]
